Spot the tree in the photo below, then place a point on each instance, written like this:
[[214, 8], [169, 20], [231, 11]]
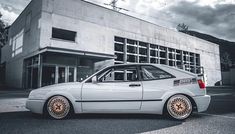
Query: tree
[[226, 61], [3, 32], [182, 28]]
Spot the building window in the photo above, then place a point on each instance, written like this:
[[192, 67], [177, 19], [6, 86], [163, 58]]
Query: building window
[[17, 43], [133, 51], [119, 49], [119, 74], [63, 34]]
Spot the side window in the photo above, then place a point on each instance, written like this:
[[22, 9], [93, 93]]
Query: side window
[[119, 74], [153, 73]]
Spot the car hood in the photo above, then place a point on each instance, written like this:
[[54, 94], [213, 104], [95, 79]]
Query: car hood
[[62, 86], [43, 91]]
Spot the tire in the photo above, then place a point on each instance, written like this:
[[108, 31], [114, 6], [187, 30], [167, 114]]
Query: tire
[[58, 107], [179, 107]]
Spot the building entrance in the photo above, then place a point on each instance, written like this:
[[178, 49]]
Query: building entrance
[[53, 74]]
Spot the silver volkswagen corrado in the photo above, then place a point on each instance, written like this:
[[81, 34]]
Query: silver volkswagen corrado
[[128, 88]]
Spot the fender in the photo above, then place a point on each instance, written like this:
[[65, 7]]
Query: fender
[[76, 106], [167, 95]]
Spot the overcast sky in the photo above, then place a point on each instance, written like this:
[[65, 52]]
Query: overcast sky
[[215, 17]]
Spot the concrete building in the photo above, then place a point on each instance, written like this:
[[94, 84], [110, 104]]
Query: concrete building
[[56, 41]]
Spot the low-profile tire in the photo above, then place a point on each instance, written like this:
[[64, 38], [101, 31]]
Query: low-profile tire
[[179, 107], [58, 107]]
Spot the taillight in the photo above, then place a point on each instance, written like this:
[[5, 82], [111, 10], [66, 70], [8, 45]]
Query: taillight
[[201, 84]]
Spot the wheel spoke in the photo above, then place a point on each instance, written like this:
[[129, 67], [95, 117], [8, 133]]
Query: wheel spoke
[[58, 107], [179, 107]]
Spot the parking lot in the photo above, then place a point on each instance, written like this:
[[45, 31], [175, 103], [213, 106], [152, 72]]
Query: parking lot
[[220, 118]]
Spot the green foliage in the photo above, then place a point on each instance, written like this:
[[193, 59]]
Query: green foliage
[[226, 61], [3, 32], [182, 28]]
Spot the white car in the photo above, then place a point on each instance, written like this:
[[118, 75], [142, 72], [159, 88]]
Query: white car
[[127, 88]]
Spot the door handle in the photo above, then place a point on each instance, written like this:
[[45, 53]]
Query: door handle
[[134, 85]]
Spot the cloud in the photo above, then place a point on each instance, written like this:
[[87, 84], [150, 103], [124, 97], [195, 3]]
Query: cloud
[[17, 4], [215, 17], [10, 9], [218, 20], [8, 15]]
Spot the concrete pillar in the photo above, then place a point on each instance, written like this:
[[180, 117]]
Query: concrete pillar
[[182, 60], [40, 62], [148, 53], [158, 54], [125, 51], [195, 66], [138, 51], [167, 56]]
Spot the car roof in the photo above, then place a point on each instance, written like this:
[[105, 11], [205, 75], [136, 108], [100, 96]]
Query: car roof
[[157, 65]]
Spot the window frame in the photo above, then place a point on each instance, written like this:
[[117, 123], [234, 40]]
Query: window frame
[[124, 66], [65, 30], [141, 77], [17, 49]]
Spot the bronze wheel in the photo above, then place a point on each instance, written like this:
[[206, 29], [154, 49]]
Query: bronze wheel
[[179, 107], [58, 107]]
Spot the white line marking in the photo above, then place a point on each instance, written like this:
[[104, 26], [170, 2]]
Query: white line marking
[[217, 115], [222, 94]]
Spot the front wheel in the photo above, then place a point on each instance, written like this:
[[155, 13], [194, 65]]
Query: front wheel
[[58, 107], [179, 107]]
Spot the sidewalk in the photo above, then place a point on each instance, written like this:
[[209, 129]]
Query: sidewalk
[[14, 93], [12, 105], [221, 90]]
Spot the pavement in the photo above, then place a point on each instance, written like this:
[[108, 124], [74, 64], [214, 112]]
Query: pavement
[[218, 119], [14, 93]]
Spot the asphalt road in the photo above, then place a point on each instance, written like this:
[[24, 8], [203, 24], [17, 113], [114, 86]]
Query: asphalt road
[[219, 119]]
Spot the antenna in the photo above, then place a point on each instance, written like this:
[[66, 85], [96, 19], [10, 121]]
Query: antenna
[[113, 4]]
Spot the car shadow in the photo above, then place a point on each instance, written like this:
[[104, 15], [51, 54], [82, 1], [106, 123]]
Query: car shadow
[[26, 122]]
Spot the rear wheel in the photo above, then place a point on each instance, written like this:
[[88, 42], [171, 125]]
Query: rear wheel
[[179, 107], [58, 107]]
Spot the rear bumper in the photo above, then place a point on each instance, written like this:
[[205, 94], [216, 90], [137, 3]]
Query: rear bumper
[[35, 106], [202, 102]]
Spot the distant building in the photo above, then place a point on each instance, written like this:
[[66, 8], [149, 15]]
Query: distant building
[[57, 41]]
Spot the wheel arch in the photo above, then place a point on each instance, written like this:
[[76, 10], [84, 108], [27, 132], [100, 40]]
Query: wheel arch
[[194, 105], [63, 95]]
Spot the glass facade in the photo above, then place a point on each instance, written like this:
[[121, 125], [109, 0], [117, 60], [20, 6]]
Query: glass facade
[[133, 51], [53, 68]]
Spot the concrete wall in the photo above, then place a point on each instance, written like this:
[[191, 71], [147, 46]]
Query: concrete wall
[[232, 76], [96, 27], [228, 78], [31, 37], [14, 71]]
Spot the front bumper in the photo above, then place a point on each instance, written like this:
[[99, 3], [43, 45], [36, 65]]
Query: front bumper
[[202, 102], [35, 106]]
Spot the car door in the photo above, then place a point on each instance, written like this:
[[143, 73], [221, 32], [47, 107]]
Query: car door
[[116, 88], [156, 82]]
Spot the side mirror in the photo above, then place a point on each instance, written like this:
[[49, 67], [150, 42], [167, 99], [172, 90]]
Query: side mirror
[[94, 79]]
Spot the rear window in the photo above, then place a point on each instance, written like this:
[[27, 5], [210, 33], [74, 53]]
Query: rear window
[[154, 73]]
